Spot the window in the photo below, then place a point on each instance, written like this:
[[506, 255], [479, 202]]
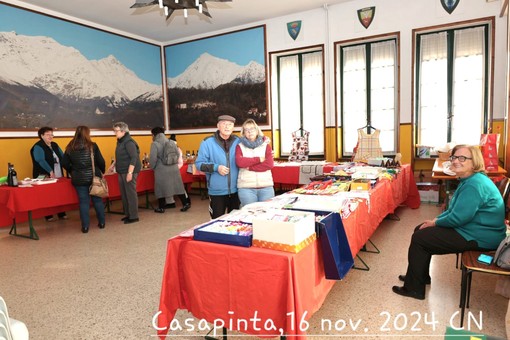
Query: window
[[368, 92], [300, 83], [451, 86]]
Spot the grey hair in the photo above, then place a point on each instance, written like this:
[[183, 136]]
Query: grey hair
[[122, 126]]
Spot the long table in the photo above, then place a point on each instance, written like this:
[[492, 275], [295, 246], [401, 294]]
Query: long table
[[220, 282], [24, 204], [19, 204]]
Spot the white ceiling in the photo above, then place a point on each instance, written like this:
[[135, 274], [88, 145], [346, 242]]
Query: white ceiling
[[149, 22]]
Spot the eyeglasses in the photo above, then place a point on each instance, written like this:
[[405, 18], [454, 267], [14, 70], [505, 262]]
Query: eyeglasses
[[116, 130], [461, 159], [250, 130]]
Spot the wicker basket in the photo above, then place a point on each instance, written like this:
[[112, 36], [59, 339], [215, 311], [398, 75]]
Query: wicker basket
[[444, 156]]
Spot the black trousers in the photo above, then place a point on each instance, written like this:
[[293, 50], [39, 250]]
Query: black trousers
[[218, 205], [427, 242]]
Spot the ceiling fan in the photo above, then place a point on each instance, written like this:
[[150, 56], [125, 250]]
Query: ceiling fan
[[171, 5]]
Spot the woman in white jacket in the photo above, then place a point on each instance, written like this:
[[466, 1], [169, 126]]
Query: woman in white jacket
[[254, 158]]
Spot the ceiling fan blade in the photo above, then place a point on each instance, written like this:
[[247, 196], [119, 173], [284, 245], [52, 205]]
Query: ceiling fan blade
[[205, 10], [144, 3], [170, 11]]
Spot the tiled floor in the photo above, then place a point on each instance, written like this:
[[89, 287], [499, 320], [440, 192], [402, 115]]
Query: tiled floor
[[106, 284]]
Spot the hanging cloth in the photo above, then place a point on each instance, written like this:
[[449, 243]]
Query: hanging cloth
[[300, 147], [368, 146]]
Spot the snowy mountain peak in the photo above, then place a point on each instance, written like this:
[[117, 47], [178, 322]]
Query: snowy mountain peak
[[209, 72], [73, 76]]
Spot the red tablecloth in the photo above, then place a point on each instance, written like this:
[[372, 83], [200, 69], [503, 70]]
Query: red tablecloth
[[48, 199], [41, 200], [215, 281], [144, 183], [384, 199]]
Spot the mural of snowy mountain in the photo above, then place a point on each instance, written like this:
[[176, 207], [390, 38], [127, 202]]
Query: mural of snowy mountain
[[209, 72], [44, 83], [42, 62]]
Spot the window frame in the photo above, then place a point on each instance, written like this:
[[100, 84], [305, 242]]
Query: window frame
[[275, 98], [339, 103], [489, 35]]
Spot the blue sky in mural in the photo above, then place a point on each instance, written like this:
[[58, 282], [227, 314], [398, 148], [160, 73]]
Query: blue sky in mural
[[92, 43], [238, 47]]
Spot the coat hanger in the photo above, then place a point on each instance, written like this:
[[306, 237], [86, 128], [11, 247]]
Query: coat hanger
[[368, 127], [302, 132]]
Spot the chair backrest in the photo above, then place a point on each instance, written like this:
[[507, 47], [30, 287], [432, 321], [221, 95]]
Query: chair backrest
[[504, 189], [4, 333], [3, 307], [15, 329], [4, 322]]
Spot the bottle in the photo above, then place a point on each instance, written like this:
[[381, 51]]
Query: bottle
[[9, 174], [145, 161], [12, 176], [113, 161]]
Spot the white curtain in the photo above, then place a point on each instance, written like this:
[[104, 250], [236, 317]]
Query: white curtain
[[289, 101], [313, 108], [383, 94], [433, 90], [313, 100], [354, 95], [468, 85]]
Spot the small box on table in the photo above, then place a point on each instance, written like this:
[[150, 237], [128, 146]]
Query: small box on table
[[284, 230], [225, 232], [429, 192]]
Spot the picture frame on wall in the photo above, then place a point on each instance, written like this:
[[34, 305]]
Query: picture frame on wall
[[221, 74], [63, 74]]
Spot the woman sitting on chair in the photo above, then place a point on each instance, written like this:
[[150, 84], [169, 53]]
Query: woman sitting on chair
[[474, 220]]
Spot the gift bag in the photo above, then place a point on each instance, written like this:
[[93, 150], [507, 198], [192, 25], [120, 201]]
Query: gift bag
[[336, 252], [489, 143]]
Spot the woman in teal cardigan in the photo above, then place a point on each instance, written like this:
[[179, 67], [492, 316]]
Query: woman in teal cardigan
[[474, 220]]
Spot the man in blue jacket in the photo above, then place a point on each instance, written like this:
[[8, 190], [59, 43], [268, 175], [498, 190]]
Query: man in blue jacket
[[216, 157]]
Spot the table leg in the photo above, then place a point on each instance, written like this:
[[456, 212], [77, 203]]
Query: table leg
[[33, 234]]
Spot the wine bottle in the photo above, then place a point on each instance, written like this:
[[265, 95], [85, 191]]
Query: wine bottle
[[9, 174]]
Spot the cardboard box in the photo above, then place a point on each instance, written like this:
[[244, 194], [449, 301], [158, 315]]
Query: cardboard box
[[236, 240], [296, 248], [429, 192], [284, 226], [360, 185]]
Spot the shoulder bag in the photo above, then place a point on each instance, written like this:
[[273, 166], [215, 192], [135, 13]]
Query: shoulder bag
[[99, 186]]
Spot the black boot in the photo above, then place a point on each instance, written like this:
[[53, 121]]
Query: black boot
[[161, 204], [186, 202]]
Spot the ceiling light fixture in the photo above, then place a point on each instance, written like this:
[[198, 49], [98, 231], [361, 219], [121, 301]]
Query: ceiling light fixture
[[170, 6]]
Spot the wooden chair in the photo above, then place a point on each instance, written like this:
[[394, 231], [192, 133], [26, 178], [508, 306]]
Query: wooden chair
[[470, 265]]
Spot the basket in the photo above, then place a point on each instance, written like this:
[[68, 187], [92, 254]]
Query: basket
[[444, 156]]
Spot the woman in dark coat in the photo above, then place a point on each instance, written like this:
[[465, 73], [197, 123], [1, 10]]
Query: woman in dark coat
[[167, 177], [77, 161]]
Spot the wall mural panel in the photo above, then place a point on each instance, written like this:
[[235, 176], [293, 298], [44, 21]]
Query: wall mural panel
[[223, 74], [62, 74]]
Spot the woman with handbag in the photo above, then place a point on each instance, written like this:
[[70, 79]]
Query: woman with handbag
[[83, 160]]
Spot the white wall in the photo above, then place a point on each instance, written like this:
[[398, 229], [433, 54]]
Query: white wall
[[390, 16]]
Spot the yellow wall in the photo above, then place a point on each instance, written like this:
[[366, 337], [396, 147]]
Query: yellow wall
[[17, 150]]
